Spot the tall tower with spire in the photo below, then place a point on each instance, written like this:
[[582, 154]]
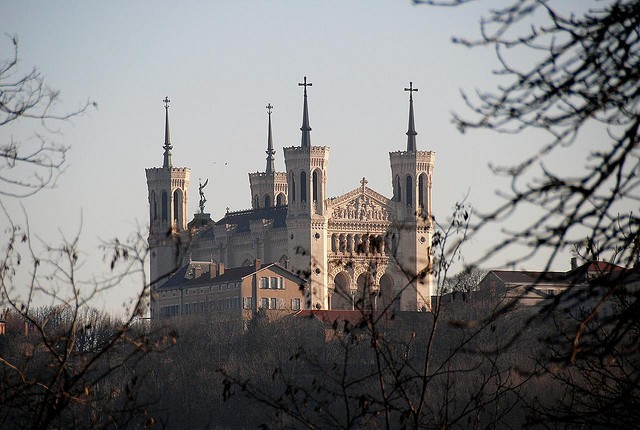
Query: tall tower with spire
[[306, 215], [268, 188], [168, 197], [411, 175]]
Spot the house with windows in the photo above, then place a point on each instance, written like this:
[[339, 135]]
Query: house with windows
[[231, 294], [535, 287]]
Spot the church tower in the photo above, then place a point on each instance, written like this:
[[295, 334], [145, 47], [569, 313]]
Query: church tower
[[412, 173], [168, 196], [268, 188], [306, 220]]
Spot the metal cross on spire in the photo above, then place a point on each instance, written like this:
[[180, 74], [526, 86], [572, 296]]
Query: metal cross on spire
[[167, 136], [270, 151], [306, 129], [411, 132], [411, 90], [305, 85]]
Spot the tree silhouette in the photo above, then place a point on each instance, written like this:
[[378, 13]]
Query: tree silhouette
[[27, 166], [584, 73], [63, 365]]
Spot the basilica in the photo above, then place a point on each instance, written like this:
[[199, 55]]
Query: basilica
[[358, 250]]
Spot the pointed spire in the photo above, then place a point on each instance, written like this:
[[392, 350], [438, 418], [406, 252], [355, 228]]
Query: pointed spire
[[167, 136], [270, 151], [306, 135], [411, 132]]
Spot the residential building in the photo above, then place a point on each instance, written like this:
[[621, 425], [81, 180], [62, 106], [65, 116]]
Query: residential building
[[231, 294]]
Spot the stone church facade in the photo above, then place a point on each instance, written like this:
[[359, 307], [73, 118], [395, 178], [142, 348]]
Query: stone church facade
[[358, 250]]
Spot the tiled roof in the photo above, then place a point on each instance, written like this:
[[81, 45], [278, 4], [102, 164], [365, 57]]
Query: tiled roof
[[242, 219], [583, 273], [231, 274], [527, 277], [205, 233]]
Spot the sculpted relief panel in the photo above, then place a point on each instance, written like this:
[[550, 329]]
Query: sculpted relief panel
[[362, 208]]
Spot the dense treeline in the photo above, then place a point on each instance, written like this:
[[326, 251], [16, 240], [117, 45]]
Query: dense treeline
[[473, 362]]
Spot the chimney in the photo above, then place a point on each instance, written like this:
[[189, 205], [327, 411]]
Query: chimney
[[257, 264], [574, 263], [197, 270], [213, 269], [221, 269], [286, 263]]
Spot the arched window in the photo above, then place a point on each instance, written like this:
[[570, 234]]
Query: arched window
[[398, 190], [267, 201], [315, 185], [293, 187], [409, 190], [303, 186], [279, 200], [177, 205], [421, 184], [256, 202], [165, 206], [154, 206]]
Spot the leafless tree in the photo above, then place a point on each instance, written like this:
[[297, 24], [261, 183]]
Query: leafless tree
[[67, 365], [62, 363], [465, 281], [584, 76], [585, 73], [444, 368], [28, 165]]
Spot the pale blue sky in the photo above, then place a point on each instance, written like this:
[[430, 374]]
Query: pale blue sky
[[220, 63]]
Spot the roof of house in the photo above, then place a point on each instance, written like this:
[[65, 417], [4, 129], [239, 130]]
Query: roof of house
[[581, 274], [527, 276], [185, 277]]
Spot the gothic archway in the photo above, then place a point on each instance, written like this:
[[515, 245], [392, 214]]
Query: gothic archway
[[177, 207], [341, 297], [365, 297], [409, 190], [314, 180], [422, 188], [154, 206], [293, 187], [165, 206], [389, 298], [303, 186]]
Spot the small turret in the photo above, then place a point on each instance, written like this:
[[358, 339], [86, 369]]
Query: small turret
[[268, 188]]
